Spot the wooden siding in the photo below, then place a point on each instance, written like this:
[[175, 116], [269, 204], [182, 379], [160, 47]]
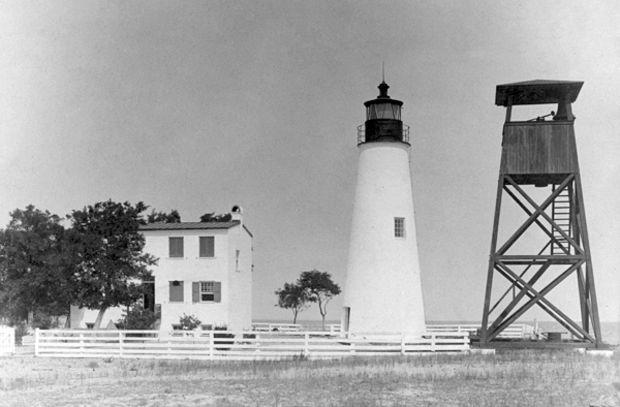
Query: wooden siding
[[539, 148]]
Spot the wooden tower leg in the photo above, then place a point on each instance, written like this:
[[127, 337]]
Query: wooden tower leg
[[590, 292], [491, 270]]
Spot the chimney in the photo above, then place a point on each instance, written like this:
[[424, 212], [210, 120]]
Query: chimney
[[237, 213]]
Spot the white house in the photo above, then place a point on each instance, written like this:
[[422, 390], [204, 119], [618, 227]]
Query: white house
[[204, 269]]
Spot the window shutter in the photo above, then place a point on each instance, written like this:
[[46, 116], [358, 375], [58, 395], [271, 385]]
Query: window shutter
[[176, 291], [175, 247], [217, 287], [207, 246], [195, 292]]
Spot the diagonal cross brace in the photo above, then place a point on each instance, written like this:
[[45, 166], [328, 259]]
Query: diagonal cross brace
[[520, 275], [544, 215], [539, 223], [516, 299], [538, 298], [534, 215]]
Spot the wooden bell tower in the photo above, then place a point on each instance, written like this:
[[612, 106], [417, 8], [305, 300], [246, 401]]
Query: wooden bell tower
[[539, 172]]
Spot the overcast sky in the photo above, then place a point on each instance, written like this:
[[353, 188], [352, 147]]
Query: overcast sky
[[198, 106]]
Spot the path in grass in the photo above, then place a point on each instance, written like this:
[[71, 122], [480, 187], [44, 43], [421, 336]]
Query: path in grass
[[511, 379]]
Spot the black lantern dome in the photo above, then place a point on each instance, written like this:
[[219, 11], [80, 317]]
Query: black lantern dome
[[383, 119]]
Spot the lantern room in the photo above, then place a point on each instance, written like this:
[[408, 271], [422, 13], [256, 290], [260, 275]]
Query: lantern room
[[383, 121]]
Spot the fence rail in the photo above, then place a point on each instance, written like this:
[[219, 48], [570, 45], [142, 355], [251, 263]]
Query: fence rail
[[217, 345], [513, 331], [7, 340]]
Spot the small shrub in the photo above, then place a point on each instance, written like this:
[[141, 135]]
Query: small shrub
[[189, 322], [93, 365]]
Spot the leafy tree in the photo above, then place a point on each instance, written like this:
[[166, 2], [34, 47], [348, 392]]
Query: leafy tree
[[320, 289], [34, 264], [137, 317], [293, 297], [189, 322], [172, 217], [212, 217], [110, 265]]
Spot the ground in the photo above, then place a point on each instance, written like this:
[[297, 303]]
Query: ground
[[540, 378]]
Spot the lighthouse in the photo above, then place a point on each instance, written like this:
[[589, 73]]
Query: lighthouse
[[383, 292]]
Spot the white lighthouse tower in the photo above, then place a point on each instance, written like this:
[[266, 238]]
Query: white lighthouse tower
[[383, 292]]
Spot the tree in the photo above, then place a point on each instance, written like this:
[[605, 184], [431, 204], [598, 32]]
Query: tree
[[172, 217], [34, 278], [110, 266], [320, 289], [212, 217], [293, 297]]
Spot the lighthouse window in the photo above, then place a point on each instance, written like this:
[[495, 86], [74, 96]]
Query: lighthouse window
[[383, 111], [399, 227]]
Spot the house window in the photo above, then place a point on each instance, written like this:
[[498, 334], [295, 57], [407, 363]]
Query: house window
[[207, 291], [399, 227], [207, 246], [175, 246], [176, 291]]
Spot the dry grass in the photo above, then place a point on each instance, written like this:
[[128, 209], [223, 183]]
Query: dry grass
[[508, 379]]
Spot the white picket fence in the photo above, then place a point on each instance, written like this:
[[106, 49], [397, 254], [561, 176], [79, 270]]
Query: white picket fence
[[284, 327], [521, 331], [222, 345], [7, 340], [514, 331]]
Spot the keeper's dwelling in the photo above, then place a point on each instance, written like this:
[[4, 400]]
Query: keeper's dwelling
[[204, 270]]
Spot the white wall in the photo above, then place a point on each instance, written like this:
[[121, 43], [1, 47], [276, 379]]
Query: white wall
[[81, 316], [383, 287], [240, 279], [234, 310]]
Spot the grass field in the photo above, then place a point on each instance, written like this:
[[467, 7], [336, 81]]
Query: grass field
[[524, 378]]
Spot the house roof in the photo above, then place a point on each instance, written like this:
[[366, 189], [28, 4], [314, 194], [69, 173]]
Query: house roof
[[190, 225]]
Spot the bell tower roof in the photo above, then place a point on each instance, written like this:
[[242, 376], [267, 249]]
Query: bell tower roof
[[537, 92]]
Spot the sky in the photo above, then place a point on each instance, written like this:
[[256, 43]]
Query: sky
[[202, 105]]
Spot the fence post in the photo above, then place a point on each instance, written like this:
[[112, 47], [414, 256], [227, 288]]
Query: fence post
[[306, 344], [36, 342], [120, 343], [402, 343], [211, 346], [81, 344], [433, 344]]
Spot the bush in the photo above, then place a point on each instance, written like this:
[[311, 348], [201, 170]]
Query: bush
[[189, 322], [137, 317], [42, 320]]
